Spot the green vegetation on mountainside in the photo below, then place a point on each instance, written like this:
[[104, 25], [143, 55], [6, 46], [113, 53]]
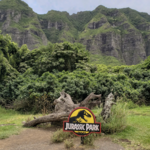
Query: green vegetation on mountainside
[[68, 32], [135, 17], [17, 5], [80, 19], [145, 15], [74, 27], [89, 33], [103, 59], [79, 22], [54, 16], [28, 19]]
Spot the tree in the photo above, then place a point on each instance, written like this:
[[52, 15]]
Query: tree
[[59, 56]]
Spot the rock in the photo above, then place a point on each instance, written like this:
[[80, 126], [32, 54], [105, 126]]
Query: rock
[[111, 32], [144, 26], [47, 24], [95, 25], [133, 48], [17, 17], [27, 35], [124, 43], [107, 43]]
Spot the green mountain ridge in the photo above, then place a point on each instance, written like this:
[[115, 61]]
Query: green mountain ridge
[[123, 34], [19, 21]]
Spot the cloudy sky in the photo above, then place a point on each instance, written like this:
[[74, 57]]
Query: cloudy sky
[[74, 6]]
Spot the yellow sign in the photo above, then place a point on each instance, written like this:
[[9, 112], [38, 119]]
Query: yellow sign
[[82, 122]]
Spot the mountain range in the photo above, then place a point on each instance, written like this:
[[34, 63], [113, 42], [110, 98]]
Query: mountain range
[[120, 33]]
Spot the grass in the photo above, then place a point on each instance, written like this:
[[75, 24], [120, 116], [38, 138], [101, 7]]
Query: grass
[[60, 136], [117, 120], [137, 129], [89, 33], [12, 122], [96, 111], [69, 143]]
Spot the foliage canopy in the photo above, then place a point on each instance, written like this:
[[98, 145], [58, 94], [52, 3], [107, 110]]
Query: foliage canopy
[[28, 77]]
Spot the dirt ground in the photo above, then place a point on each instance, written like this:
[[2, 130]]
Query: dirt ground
[[39, 139]]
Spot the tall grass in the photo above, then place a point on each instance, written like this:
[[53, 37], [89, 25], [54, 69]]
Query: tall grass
[[117, 120]]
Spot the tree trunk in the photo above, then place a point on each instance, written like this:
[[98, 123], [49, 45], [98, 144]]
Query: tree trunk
[[107, 107], [63, 107]]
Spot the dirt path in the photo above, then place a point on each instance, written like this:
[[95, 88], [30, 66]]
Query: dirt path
[[39, 139]]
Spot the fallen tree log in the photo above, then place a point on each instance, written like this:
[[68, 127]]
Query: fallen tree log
[[64, 105], [49, 118]]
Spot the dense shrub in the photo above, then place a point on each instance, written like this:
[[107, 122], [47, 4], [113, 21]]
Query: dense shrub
[[27, 77]]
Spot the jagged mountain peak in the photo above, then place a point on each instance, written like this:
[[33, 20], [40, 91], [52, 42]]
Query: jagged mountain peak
[[15, 5], [100, 7], [21, 22], [120, 33]]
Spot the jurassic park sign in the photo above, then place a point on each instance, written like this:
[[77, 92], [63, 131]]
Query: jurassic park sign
[[82, 122]]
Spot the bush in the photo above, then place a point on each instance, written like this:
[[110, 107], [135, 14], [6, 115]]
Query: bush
[[89, 140], [117, 120], [68, 143], [60, 136], [131, 105]]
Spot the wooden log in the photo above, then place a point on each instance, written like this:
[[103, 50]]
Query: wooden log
[[49, 118], [63, 107], [85, 102]]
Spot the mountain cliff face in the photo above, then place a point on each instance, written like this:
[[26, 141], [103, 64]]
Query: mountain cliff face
[[57, 26], [111, 33], [121, 33], [18, 20]]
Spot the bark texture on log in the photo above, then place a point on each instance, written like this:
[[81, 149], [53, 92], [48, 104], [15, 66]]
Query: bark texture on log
[[107, 107], [63, 107], [64, 103], [49, 118]]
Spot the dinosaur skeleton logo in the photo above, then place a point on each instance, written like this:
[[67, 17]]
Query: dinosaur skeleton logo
[[81, 115], [81, 121]]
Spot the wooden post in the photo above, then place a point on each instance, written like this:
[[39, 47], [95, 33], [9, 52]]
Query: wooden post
[[82, 140]]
